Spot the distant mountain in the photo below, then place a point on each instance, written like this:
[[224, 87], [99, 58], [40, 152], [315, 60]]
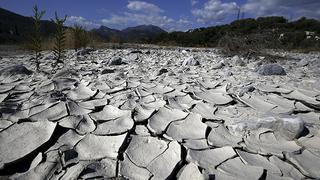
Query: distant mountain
[[130, 34], [107, 33], [17, 28]]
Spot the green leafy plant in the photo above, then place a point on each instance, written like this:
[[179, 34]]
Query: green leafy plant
[[59, 38], [36, 35], [80, 36]]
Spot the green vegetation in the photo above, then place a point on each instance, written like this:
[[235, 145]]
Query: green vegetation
[[264, 32], [36, 35], [80, 36], [60, 38]]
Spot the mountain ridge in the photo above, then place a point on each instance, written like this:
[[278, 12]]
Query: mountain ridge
[[15, 28], [135, 33]]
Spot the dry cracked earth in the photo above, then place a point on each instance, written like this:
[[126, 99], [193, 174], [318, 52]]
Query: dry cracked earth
[[160, 114]]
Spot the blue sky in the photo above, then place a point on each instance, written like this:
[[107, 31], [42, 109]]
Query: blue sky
[[169, 14]]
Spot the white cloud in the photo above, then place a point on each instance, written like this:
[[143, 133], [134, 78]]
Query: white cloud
[[72, 20], [144, 7], [215, 10], [287, 8], [143, 13], [193, 2]]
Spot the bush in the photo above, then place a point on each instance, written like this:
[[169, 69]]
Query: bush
[[36, 35], [60, 38], [80, 36]]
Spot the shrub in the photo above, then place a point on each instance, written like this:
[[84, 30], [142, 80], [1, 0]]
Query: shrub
[[60, 38], [36, 35], [80, 36]]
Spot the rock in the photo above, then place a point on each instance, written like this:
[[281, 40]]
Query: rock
[[271, 69], [287, 169], [236, 169], [209, 159], [189, 128], [136, 52], [162, 71], [160, 120], [258, 160], [190, 171], [214, 97], [82, 92], [14, 70], [219, 65], [105, 168], [164, 164], [75, 109], [93, 147], [196, 144], [108, 71], [83, 124], [220, 137], [143, 149], [246, 89], [117, 126], [265, 142], [53, 113], [303, 62], [306, 162], [237, 61], [115, 61], [67, 73], [190, 61], [19, 140], [131, 171], [110, 112], [142, 112], [205, 110], [83, 51]]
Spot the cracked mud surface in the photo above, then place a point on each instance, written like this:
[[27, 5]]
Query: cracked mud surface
[[159, 114]]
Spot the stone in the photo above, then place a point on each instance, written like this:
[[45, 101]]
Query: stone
[[190, 171], [190, 61], [143, 149], [115, 61], [19, 140], [53, 113], [163, 165], [306, 162], [205, 110], [108, 71], [105, 168], [237, 169], [219, 65], [162, 71], [214, 98], [110, 112], [287, 169], [271, 69], [112, 127], [237, 61], [14, 71], [258, 160], [93, 147], [220, 137], [131, 171], [161, 119], [209, 159], [303, 62], [142, 112], [190, 128]]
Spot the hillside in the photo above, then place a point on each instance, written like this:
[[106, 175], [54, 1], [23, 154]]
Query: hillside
[[142, 33], [17, 28], [267, 32]]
